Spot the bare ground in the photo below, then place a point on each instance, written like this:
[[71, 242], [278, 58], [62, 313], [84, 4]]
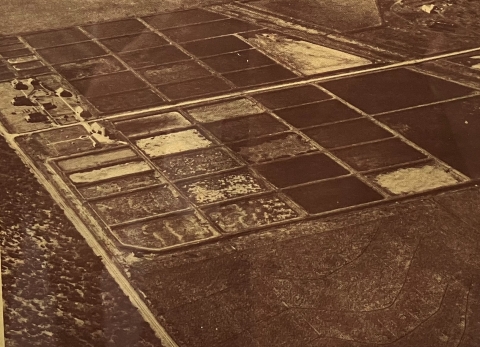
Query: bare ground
[[30, 15]]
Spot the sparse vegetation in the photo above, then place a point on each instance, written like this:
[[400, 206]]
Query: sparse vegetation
[[56, 291]]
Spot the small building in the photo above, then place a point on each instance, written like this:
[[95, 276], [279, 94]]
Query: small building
[[48, 105], [63, 93], [36, 117], [19, 85], [81, 114], [97, 128], [22, 101], [78, 110]]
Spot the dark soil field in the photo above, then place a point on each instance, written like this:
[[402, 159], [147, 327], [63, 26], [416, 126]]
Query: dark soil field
[[56, 292]]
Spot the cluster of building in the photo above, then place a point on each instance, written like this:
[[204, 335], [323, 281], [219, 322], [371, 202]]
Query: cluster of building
[[41, 99]]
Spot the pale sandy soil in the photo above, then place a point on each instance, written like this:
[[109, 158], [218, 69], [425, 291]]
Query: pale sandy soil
[[109, 172], [305, 57]]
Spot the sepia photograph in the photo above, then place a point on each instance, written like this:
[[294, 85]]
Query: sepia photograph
[[240, 173]]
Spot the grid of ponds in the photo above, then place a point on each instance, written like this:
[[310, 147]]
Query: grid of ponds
[[216, 169], [241, 164], [134, 63], [166, 58], [18, 60]]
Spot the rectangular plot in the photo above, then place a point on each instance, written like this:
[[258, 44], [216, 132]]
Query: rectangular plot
[[303, 56], [414, 179], [317, 113], [332, 195], [90, 67], [379, 154], [73, 147], [347, 133], [261, 75], [193, 88], [224, 110], [108, 84], [206, 30], [16, 53], [302, 169], [394, 89], [222, 187], [238, 61], [6, 76], [291, 97], [4, 69], [215, 46], [5, 41], [196, 163], [134, 42], [154, 56], [151, 124], [11, 47], [96, 159], [127, 101], [29, 65], [164, 232], [174, 142], [272, 147], [247, 127], [24, 59], [139, 204], [55, 38], [33, 72], [172, 73], [62, 141], [117, 28], [181, 18], [69, 53], [63, 134], [450, 131], [252, 213], [109, 172], [119, 185]]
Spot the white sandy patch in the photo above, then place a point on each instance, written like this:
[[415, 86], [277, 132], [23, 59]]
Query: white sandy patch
[[173, 143], [415, 180], [476, 66], [105, 139], [224, 110], [109, 172], [227, 187], [164, 121], [306, 57]]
